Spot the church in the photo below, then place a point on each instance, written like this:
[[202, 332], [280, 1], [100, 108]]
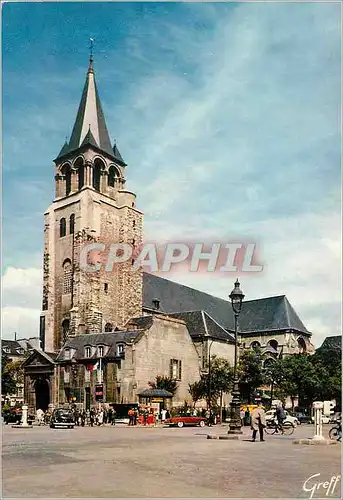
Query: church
[[105, 335]]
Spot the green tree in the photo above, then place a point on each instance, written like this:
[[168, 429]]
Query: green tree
[[250, 373], [302, 378], [213, 384], [197, 390], [328, 363], [9, 375], [166, 383]]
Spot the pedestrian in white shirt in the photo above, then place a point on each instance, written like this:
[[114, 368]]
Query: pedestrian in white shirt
[[40, 416]]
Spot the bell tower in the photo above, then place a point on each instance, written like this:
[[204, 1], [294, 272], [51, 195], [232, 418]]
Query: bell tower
[[91, 205]]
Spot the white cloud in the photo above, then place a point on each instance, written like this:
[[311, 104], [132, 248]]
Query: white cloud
[[22, 320], [22, 289]]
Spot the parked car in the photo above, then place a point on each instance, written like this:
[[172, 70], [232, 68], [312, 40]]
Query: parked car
[[14, 415], [62, 418], [325, 420], [183, 420], [270, 415], [303, 418]]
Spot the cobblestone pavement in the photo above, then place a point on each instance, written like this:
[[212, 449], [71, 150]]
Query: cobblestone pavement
[[130, 462]]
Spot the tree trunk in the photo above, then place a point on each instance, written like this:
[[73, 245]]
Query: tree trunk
[[221, 407], [271, 393]]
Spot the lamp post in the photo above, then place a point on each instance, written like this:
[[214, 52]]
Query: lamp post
[[209, 384], [236, 297]]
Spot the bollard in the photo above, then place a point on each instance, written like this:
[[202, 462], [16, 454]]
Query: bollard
[[23, 423], [318, 424], [24, 416]]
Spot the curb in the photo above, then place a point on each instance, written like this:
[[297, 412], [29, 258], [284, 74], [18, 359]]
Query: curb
[[322, 442]]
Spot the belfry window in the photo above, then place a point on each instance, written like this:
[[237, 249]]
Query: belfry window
[[112, 176], [71, 224], [63, 227], [98, 165], [81, 176], [108, 327], [65, 329], [66, 171], [67, 277]]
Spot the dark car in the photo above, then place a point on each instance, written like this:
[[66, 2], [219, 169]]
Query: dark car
[[303, 418], [62, 418], [14, 415]]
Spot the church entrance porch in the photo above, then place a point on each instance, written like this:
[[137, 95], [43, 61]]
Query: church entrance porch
[[42, 394], [39, 381]]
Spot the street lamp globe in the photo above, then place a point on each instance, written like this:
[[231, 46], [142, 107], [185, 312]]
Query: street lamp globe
[[237, 297]]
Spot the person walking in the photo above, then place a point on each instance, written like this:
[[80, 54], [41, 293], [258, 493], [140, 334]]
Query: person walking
[[135, 416], [258, 422], [83, 418], [242, 415], [113, 417], [247, 416], [40, 416], [91, 417], [130, 414], [163, 415], [100, 417]]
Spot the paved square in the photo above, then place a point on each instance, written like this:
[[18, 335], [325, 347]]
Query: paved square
[[126, 462]]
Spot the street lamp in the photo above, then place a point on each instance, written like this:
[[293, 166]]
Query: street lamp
[[209, 384], [236, 297]]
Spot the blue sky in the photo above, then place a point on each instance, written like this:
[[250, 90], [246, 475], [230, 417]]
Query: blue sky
[[227, 114]]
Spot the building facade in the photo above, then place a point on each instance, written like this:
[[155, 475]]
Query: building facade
[[107, 331]]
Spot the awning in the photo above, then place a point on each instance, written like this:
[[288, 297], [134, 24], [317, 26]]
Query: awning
[[155, 393]]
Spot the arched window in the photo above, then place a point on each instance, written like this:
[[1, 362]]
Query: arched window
[[71, 224], [66, 171], [67, 276], [98, 166], [301, 345], [87, 352], [63, 227], [65, 329], [108, 327], [255, 345], [81, 177], [113, 174], [274, 344]]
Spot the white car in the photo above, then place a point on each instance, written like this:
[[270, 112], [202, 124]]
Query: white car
[[325, 420], [270, 415]]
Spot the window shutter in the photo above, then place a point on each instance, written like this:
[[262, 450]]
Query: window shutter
[[171, 369], [180, 370]]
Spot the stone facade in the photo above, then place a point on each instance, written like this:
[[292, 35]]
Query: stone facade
[[278, 343], [76, 300], [166, 340]]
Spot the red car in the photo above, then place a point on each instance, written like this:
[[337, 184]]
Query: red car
[[182, 420]]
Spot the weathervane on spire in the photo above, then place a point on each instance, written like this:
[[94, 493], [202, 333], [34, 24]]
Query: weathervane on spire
[[91, 44]]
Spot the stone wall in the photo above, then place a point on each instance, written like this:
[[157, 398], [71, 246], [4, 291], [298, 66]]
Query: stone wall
[[150, 355], [97, 298]]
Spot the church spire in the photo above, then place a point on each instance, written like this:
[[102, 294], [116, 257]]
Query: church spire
[[90, 125], [90, 117]]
